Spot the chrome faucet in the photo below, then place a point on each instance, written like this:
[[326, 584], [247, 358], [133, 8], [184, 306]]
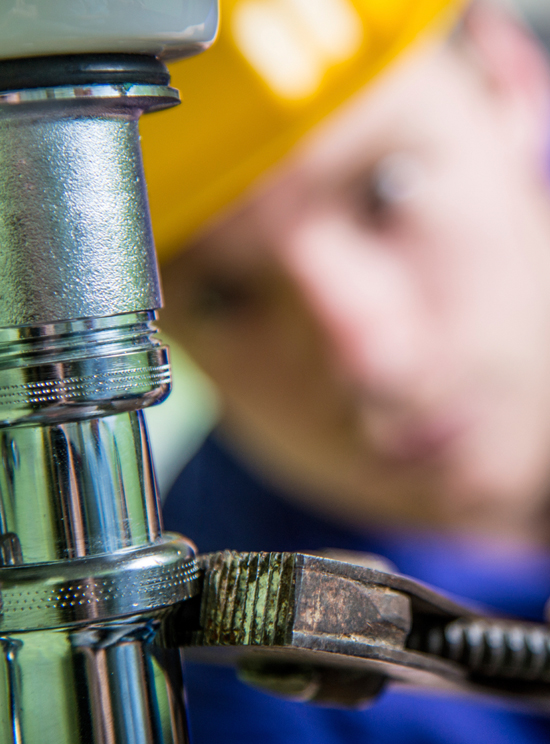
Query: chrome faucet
[[86, 572]]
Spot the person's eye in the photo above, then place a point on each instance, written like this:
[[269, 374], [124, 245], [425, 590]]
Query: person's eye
[[385, 191], [217, 298]]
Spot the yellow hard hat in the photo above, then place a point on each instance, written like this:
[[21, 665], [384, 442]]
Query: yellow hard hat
[[277, 68]]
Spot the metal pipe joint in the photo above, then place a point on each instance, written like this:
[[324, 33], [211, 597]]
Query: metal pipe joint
[[86, 573]]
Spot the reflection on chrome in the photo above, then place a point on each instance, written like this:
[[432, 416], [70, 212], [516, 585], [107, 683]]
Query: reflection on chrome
[[85, 571]]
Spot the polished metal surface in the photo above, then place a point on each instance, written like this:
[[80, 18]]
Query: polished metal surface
[[78, 489], [135, 96], [56, 595], [85, 573], [75, 234], [86, 577], [81, 369], [106, 686]]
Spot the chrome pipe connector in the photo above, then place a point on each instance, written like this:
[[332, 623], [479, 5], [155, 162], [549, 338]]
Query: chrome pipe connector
[[101, 589], [81, 369], [75, 235], [77, 490], [85, 572], [79, 281]]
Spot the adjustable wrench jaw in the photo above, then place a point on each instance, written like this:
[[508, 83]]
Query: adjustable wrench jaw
[[323, 630]]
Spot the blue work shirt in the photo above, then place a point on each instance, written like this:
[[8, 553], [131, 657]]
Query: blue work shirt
[[219, 504]]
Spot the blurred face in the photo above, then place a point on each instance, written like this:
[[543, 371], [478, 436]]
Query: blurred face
[[377, 312]]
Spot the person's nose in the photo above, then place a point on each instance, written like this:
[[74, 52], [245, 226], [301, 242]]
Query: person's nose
[[368, 301]]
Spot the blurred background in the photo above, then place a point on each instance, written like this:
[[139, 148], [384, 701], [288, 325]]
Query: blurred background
[[375, 311], [179, 426]]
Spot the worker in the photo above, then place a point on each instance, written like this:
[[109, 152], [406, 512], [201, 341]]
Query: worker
[[361, 191]]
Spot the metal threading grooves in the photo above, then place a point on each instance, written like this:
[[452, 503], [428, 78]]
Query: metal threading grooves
[[81, 369], [246, 599], [69, 340], [490, 648]]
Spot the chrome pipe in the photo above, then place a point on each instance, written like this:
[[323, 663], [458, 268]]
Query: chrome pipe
[[77, 489], [86, 574]]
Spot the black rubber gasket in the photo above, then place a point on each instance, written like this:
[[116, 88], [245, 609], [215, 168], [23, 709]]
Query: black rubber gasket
[[81, 69]]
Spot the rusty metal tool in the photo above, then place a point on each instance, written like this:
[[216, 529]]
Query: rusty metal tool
[[338, 629]]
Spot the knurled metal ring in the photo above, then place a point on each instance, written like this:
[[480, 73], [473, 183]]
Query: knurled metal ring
[[62, 594], [84, 388]]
